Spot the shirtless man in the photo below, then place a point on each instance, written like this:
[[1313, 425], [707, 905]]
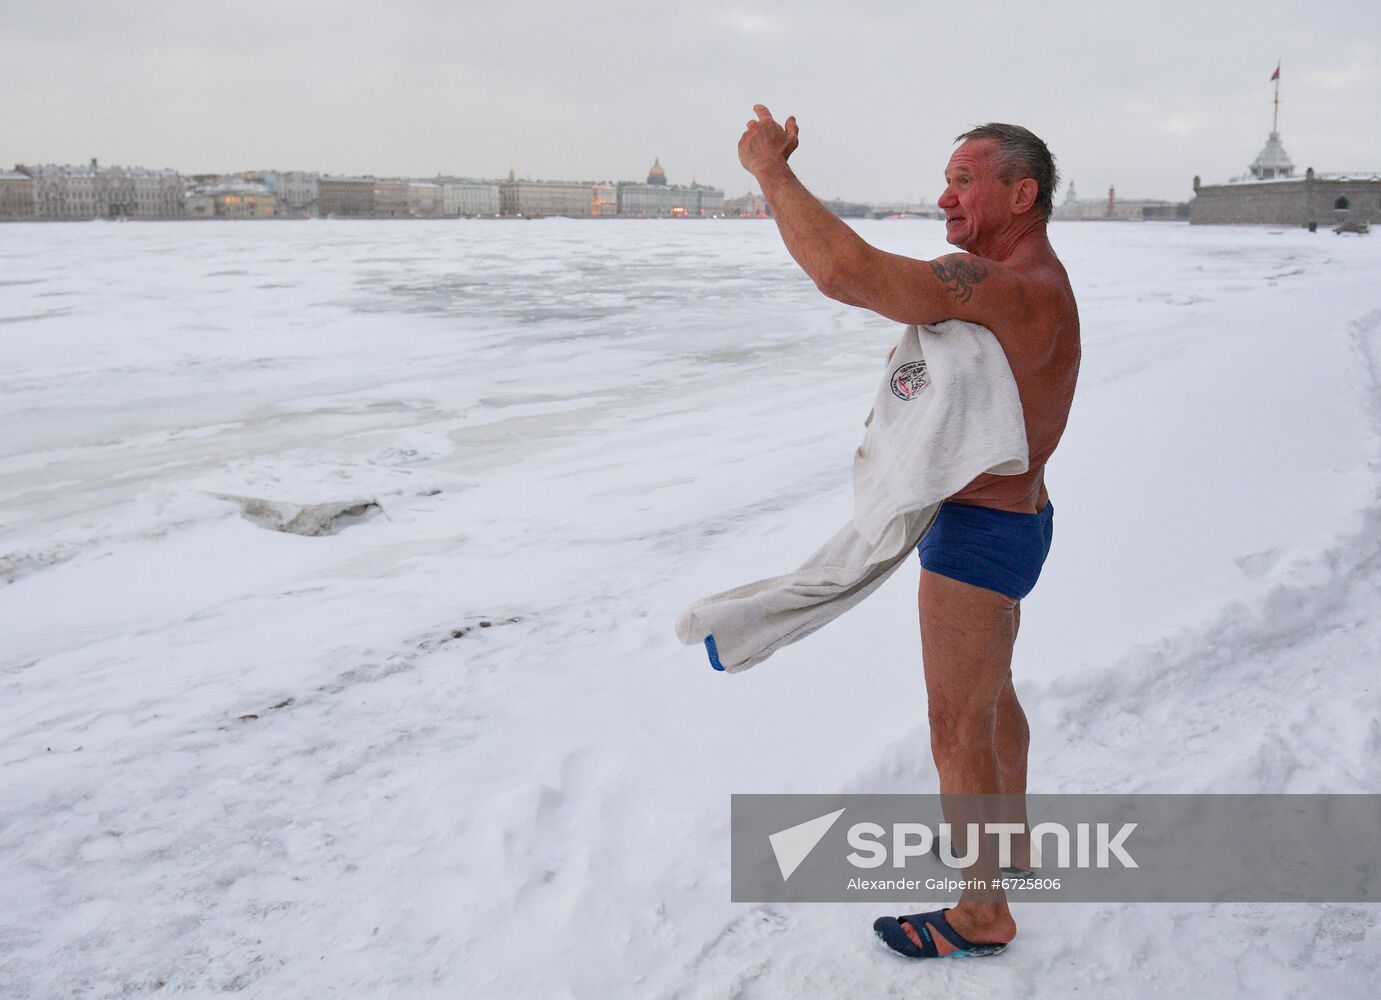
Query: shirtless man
[[985, 549]]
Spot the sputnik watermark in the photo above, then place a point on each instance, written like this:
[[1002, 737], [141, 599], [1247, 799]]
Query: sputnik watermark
[[793, 845], [1089, 845], [1070, 848], [916, 840]]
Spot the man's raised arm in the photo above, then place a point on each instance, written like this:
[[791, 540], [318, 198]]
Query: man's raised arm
[[848, 269]]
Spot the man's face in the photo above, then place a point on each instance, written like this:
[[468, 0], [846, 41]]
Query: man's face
[[977, 202]]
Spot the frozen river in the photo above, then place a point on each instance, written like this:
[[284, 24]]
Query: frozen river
[[453, 748]]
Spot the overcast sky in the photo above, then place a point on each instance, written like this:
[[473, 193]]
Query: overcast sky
[[1143, 95]]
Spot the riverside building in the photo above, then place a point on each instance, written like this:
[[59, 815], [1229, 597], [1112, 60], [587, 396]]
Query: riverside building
[[16, 196], [237, 199], [424, 200], [297, 192], [1114, 209], [65, 192], [391, 199], [470, 198], [535, 199], [1273, 192], [346, 197], [656, 199]]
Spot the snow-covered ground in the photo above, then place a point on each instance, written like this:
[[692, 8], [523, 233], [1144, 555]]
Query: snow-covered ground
[[235, 759]]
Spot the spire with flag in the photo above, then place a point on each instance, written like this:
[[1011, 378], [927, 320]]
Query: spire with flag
[[1275, 115]]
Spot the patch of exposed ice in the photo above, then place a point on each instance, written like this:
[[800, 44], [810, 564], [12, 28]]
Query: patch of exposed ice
[[304, 519]]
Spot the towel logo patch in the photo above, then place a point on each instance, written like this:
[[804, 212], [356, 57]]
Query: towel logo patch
[[909, 380]]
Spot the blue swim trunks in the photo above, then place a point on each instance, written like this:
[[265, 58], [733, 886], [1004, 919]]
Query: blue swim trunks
[[1000, 550]]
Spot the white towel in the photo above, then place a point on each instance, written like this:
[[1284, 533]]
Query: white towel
[[947, 411]]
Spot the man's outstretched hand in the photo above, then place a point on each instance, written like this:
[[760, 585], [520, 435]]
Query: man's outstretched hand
[[765, 144]]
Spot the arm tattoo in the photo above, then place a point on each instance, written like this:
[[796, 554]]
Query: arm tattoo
[[959, 274]]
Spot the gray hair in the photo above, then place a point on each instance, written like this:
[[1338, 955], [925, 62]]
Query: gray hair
[[1020, 154]]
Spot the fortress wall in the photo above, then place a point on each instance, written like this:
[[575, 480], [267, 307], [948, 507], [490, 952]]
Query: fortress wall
[[1288, 203]]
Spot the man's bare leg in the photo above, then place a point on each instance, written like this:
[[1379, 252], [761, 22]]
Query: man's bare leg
[[967, 634], [1013, 744]]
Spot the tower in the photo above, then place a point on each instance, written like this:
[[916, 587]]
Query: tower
[[1273, 161]]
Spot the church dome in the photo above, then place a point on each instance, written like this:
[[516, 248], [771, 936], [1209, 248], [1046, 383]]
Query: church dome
[[656, 175]]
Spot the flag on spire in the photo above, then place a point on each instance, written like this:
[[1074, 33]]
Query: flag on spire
[[1276, 75]]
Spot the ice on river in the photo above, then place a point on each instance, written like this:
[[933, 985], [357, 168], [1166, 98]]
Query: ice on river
[[448, 745]]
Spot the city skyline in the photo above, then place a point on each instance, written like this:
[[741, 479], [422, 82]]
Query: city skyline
[[373, 175], [71, 192], [420, 88]]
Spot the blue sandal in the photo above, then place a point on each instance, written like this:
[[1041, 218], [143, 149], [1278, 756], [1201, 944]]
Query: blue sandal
[[889, 929]]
